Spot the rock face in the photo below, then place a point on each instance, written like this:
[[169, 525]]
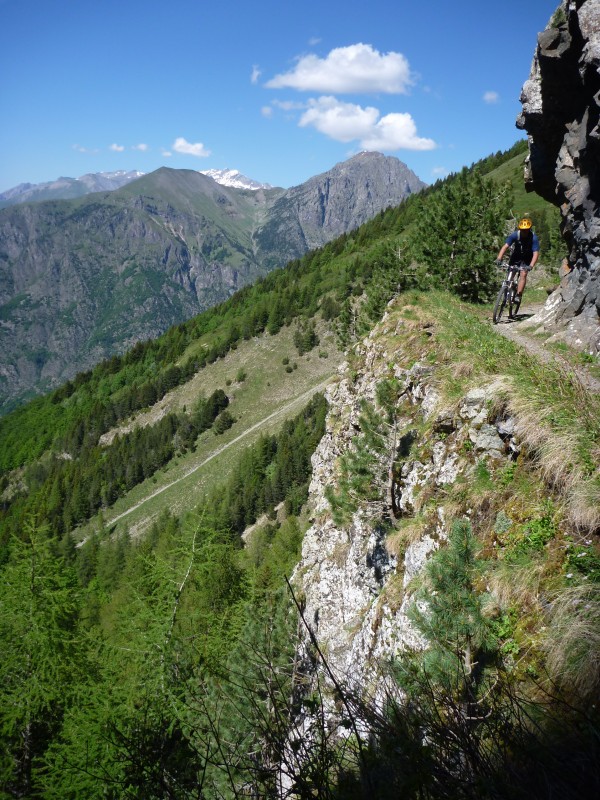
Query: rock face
[[328, 205], [356, 584], [561, 113]]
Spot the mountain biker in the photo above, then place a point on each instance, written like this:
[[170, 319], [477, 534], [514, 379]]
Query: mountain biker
[[525, 252]]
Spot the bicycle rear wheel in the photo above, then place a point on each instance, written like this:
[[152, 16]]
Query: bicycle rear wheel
[[499, 305]]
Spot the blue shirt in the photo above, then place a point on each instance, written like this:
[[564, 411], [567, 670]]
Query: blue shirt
[[535, 244], [523, 248]]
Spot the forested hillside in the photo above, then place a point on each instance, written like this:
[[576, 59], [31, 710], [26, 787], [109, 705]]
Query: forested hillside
[[173, 664]]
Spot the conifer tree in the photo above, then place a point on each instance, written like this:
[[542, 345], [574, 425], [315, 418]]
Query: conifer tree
[[367, 478], [458, 233], [41, 657], [450, 616]]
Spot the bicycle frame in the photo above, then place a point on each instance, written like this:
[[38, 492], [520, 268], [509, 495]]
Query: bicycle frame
[[508, 292]]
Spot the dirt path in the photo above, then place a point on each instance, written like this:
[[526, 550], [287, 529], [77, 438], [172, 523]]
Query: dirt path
[[284, 409], [517, 333]]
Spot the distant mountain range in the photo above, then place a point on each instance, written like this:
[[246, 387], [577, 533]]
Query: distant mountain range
[[67, 188], [70, 188], [85, 278]]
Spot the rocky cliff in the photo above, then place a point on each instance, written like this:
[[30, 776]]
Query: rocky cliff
[[330, 204], [477, 437], [561, 113], [357, 580]]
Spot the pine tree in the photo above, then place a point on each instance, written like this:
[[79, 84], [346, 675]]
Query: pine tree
[[450, 617], [458, 234], [368, 471], [41, 658]]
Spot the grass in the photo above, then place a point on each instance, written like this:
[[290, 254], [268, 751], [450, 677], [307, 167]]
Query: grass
[[572, 642], [260, 403], [558, 418], [535, 515]]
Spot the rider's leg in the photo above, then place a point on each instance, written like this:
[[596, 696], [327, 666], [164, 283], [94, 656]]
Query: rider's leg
[[520, 287], [522, 282]]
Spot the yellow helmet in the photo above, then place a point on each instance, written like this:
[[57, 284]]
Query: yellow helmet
[[525, 224]]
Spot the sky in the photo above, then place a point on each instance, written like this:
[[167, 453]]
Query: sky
[[279, 89]]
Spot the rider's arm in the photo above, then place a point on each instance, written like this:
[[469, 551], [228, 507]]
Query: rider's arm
[[508, 243], [536, 251], [503, 250]]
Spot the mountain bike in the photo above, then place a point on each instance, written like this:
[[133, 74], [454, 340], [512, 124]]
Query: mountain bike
[[508, 293]]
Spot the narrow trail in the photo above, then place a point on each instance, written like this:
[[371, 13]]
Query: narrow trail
[[296, 401], [520, 335]]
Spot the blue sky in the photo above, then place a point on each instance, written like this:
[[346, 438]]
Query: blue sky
[[279, 89]]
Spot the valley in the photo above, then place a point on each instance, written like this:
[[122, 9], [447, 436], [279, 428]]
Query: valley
[[327, 531], [266, 397], [84, 279]]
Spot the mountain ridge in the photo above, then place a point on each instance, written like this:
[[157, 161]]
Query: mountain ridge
[[65, 188], [86, 278]]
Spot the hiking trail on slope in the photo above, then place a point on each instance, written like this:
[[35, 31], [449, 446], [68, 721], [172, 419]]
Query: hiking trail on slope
[[520, 332]]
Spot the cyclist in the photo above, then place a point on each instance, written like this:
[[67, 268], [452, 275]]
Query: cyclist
[[525, 253]]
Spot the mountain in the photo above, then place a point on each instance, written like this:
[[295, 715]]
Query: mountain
[[309, 215], [67, 188], [234, 179], [86, 278], [448, 472]]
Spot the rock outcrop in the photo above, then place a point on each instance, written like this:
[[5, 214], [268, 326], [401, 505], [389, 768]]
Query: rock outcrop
[[561, 113], [356, 582]]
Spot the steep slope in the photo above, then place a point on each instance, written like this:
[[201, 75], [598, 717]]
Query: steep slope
[[198, 677], [84, 279]]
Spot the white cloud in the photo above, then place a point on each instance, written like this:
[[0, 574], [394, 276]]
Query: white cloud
[[491, 97], [267, 112], [256, 73], [290, 105], [181, 145], [167, 153], [356, 68], [81, 149], [141, 146], [343, 122], [117, 148], [346, 122], [440, 172]]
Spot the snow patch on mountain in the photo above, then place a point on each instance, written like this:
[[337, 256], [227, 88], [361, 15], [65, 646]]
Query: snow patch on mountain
[[234, 179]]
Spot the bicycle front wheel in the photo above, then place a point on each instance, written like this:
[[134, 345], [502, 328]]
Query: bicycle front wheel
[[499, 305]]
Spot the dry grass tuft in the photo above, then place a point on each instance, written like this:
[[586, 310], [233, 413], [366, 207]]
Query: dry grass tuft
[[584, 505], [516, 584], [572, 642], [397, 542], [567, 455], [462, 369]]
